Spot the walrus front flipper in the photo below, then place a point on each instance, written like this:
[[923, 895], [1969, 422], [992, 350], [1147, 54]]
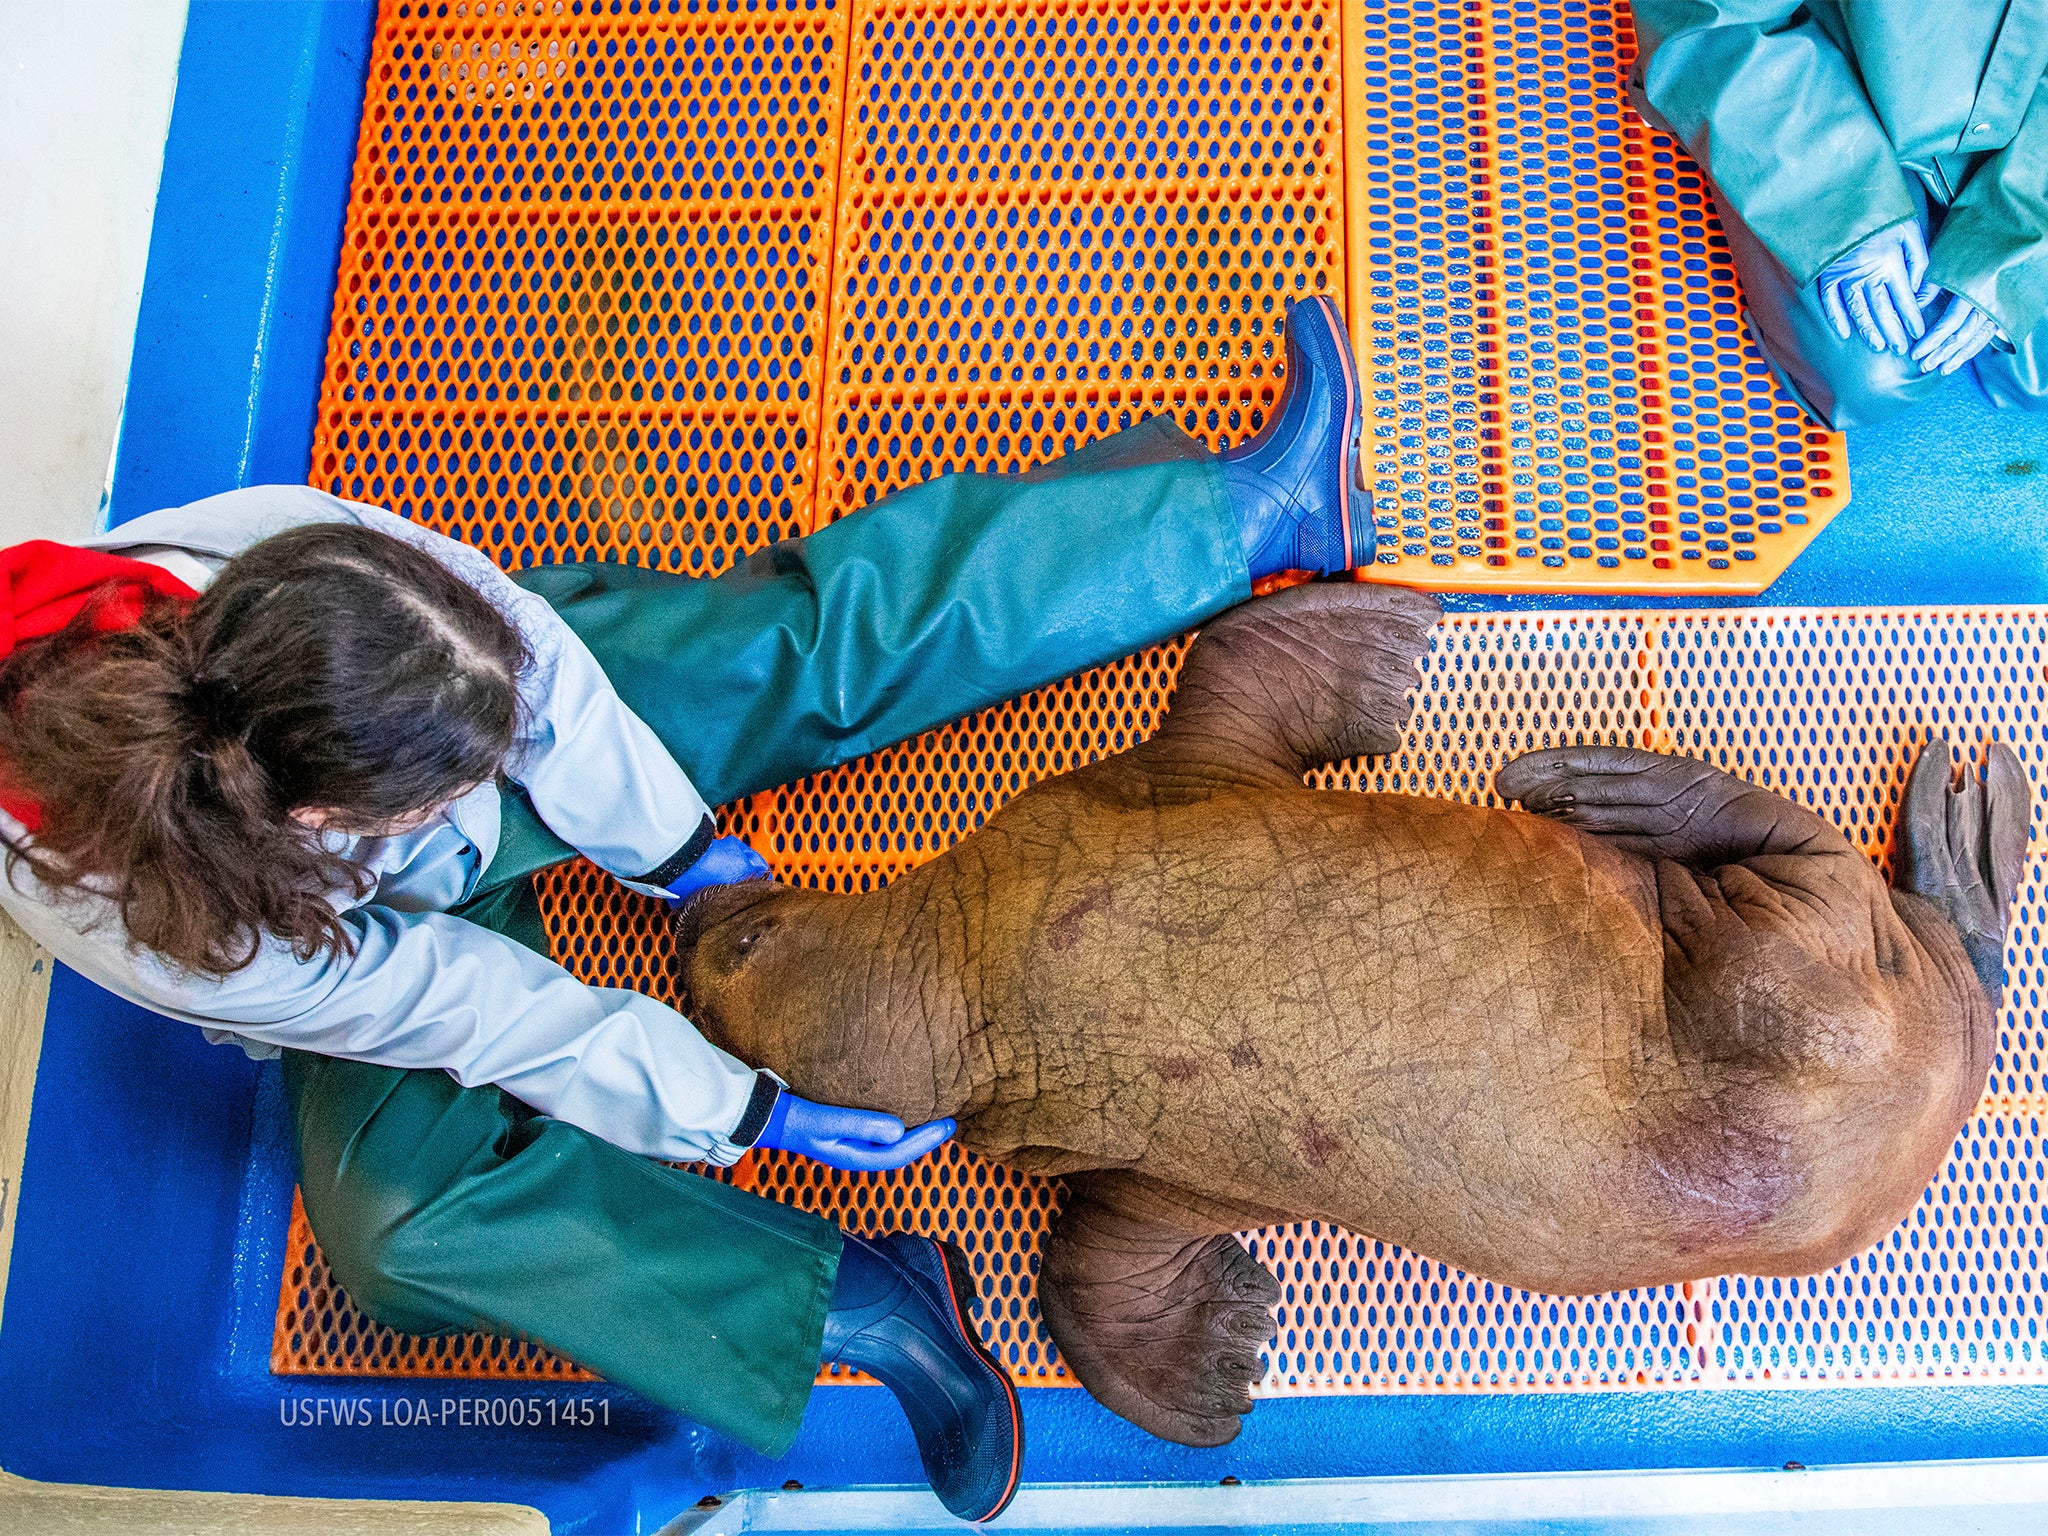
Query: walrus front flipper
[[1284, 684], [1665, 807], [1965, 850], [1162, 1325]]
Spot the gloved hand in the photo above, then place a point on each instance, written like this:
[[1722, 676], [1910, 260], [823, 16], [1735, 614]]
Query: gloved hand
[[1875, 289], [858, 1140], [727, 861], [1960, 334]]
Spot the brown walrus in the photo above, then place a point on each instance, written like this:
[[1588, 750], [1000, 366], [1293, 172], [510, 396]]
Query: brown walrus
[[1671, 1026]]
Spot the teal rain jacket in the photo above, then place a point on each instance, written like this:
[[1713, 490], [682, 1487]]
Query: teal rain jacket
[[1809, 116]]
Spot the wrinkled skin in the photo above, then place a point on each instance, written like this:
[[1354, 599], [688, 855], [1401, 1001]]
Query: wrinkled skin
[[1669, 1026]]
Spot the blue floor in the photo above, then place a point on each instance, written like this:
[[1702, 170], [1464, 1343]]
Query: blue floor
[[1950, 505], [147, 1260]]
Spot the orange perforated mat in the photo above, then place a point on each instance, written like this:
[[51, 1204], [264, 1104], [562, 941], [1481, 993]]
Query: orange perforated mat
[[667, 280], [1562, 394], [1827, 707]]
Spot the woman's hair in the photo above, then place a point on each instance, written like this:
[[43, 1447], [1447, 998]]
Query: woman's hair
[[329, 667]]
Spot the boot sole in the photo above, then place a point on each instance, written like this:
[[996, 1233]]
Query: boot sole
[[961, 1293]]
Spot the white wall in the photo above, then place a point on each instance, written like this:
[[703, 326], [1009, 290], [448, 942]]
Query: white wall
[[85, 99]]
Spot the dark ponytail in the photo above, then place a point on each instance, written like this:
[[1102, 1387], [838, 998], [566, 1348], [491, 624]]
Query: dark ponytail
[[330, 667]]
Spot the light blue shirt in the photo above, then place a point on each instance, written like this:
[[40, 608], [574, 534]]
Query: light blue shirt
[[424, 989]]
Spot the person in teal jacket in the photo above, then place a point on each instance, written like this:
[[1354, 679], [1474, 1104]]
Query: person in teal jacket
[[1881, 170]]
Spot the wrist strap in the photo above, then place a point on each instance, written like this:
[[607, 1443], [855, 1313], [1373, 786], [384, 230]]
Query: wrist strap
[[670, 869], [760, 1111]]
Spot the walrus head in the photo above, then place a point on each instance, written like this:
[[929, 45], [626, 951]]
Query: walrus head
[[824, 990]]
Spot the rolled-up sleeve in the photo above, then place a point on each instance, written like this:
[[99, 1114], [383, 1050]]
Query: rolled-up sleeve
[[1776, 115]]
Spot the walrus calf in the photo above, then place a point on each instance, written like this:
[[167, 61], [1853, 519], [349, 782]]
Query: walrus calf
[[1669, 1026]]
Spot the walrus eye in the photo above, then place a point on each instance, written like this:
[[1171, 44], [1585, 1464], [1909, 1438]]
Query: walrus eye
[[743, 946], [725, 951]]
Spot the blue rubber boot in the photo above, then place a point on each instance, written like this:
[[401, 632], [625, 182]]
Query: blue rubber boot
[[1291, 486], [900, 1312]]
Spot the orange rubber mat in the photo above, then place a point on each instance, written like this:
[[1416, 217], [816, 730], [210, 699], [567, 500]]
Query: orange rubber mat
[[1562, 396], [1827, 707], [651, 281]]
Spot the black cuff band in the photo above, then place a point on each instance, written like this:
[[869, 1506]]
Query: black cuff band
[[759, 1107], [670, 869]]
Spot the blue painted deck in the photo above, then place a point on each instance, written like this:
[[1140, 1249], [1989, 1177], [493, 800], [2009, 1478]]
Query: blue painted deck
[[153, 1204]]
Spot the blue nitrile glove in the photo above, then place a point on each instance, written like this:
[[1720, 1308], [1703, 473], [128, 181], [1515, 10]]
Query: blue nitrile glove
[[728, 861], [1874, 289], [1960, 334], [858, 1140]]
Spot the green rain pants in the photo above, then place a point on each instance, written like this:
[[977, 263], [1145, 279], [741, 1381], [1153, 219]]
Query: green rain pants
[[448, 1208], [1844, 384]]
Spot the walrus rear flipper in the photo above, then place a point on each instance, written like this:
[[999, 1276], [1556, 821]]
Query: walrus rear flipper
[[1284, 684], [1962, 850], [1161, 1321], [1666, 807], [1966, 850]]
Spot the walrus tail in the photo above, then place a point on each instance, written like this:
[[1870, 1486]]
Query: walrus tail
[[1965, 849]]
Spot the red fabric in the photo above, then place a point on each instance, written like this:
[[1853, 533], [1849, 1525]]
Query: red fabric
[[45, 585], [50, 584]]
